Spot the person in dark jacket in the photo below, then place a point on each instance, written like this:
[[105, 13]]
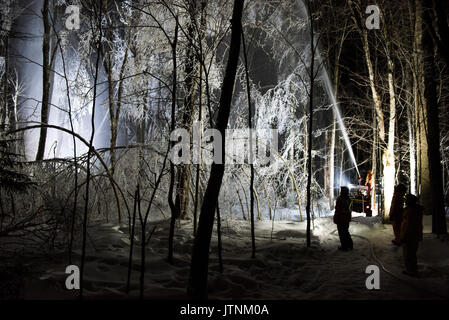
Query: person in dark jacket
[[342, 218], [411, 233], [396, 211]]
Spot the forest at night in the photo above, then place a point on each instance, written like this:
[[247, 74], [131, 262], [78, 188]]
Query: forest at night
[[181, 150]]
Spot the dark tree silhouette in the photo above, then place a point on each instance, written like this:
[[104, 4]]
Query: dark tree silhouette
[[312, 76], [48, 55], [89, 153], [171, 203], [250, 126], [433, 130], [197, 287]]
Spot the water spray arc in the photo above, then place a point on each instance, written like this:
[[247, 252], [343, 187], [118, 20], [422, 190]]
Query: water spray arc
[[340, 122], [336, 110]]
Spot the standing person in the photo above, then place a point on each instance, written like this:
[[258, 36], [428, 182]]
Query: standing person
[[411, 233], [396, 211], [342, 217], [369, 182]]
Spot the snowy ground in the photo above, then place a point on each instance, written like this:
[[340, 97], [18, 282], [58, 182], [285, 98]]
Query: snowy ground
[[283, 269]]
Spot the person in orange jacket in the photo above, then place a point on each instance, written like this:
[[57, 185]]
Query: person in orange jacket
[[411, 233], [342, 218], [396, 211], [369, 182]]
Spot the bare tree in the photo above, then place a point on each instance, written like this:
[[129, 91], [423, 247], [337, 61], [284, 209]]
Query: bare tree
[[48, 54], [251, 157], [88, 177], [197, 287], [312, 73], [386, 141], [171, 203]]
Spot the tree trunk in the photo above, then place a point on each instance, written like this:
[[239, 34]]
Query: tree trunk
[[388, 173], [191, 71], [250, 126], [332, 164], [171, 203], [89, 152], [423, 174], [310, 133], [108, 58], [219, 243], [197, 287], [376, 98], [4, 106], [46, 70], [131, 237], [388, 158], [374, 164], [441, 32], [433, 130], [200, 111], [140, 130], [411, 137]]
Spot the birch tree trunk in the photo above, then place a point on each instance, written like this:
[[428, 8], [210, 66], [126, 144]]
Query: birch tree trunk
[[411, 137], [423, 173], [388, 162], [388, 158]]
